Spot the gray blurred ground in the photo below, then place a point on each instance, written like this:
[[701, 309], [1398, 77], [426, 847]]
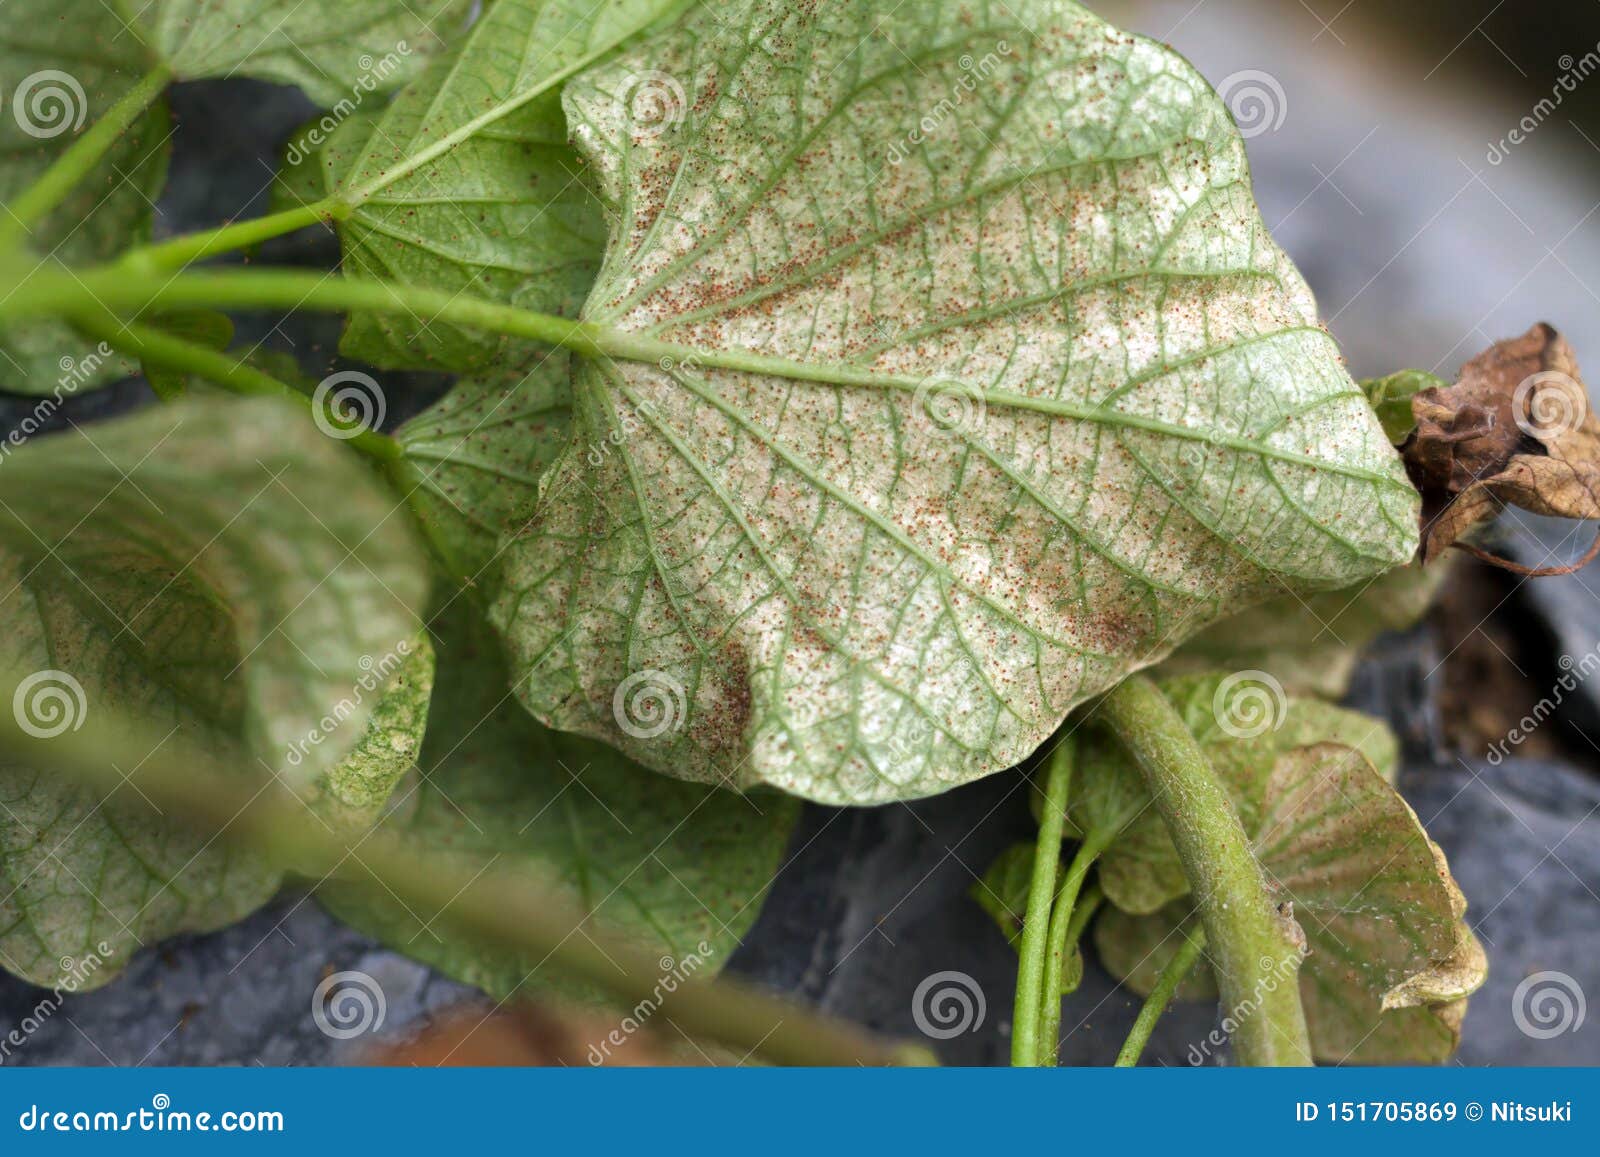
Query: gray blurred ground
[[1376, 179]]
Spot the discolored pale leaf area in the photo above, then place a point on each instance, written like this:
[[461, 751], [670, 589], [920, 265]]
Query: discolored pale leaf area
[[399, 689], [467, 183], [1244, 724], [1311, 645], [1389, 960], [64, 66], [982, 416], [182, 569], [681, 867], [472, 462], [202, 533]]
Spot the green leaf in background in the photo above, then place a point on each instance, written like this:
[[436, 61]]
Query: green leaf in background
[[226, 542], [1003, 891], [986, 416], [63, 66], [472, 462], [205, 328], [1311, 645], [183, 568], [682, 867], [467, 183], [1389, 961], [1244, 722], [335, 50]]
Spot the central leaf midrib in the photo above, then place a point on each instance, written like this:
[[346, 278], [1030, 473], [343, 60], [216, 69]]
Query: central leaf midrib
[[626, 346]]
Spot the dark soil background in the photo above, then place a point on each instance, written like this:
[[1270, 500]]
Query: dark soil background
[[1422, 253]]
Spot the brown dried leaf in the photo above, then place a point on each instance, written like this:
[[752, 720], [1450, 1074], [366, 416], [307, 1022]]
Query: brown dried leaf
[[1515, 430]]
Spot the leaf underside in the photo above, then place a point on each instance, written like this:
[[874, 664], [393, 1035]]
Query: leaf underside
[[1046, 399]]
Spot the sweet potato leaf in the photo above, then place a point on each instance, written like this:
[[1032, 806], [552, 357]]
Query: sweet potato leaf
[[682, 867], [184, 569], [467, 182], [1390, 961], [204, 534], [64, 65], [1244, 725], [473, 460], [978, 419]]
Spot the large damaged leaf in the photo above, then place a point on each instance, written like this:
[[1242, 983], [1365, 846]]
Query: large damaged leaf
[[682, 868], [978, 418]]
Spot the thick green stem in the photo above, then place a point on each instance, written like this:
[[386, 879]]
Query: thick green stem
[[1036, 922], [1063, 919], [1256, 951], [1181, 964], [173, 353], [57, 182], [503, 909]]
